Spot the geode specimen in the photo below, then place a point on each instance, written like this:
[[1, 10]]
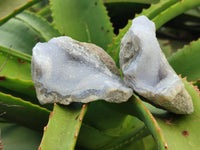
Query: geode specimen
[[147, 71], [65, 71]]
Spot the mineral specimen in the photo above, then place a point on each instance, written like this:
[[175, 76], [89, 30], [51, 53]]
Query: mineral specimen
[[147, 71], [65, 70]]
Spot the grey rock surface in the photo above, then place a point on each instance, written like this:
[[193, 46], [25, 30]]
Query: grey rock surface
[[147, 71], [65, 70]]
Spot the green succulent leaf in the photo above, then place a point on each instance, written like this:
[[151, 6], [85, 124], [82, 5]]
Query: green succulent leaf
[[45, 12], [174, 10], [22, 112], [30, 30], [85, 21], [194, 12], [146, 143], [186, 61], [15, 137], [170, 46], [63, 127], [95, 138], [158, 8], [166, 127], [134, 130], [108, 129], [135, 107], [181, 128], [10, 8], [15, 75], [14, 64], [23, 39], [45, 29], [18, 87]]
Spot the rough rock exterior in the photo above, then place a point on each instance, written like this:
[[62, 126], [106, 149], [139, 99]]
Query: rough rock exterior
[[147, 71], [65, 71]]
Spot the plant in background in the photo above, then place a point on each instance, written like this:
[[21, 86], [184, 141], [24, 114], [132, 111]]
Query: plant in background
[[97, 125]]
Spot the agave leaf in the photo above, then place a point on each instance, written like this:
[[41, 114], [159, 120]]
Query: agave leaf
[[165, 127], [19, 88], [30, 28], [10, 8], [169, 47], [99, 140], [22, 112], [23, 39], [18, 85], [45, 29], [45, 12], [156, 9], [186, 61], [146, 143], [182, 128], [138, 109], [16, 137], [63, 127], [14, 64], [15, 74], [183, 27], [85, 21], [95, 138], [173, 11], [107, 129], [193, 12]]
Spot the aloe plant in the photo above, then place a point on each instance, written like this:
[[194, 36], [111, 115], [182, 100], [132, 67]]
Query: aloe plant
[[99, 125]]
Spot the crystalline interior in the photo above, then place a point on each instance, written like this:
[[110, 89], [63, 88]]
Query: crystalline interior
[[147, 71], [65, 71]]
